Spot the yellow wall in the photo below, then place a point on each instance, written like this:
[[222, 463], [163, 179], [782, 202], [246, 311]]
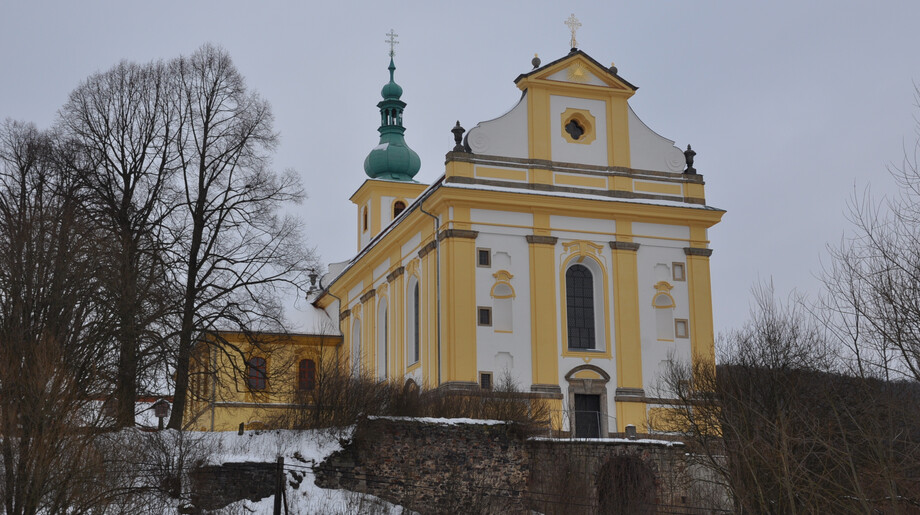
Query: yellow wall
[[220, 397]]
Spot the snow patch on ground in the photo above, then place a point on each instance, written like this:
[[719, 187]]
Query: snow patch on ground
[[442, 421], [645, 441], [301, 450]]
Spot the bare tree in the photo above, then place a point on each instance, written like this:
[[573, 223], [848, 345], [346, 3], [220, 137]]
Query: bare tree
[[236, 249], [52, 318], [873, 279], [784, 431], [125, 122]]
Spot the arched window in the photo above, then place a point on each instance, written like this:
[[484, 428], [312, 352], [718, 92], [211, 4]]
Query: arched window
[[414, 323], [382, 330], [257, 373], [364, 218], [579, 302], [306, 375], [398, 207], [356, 346]]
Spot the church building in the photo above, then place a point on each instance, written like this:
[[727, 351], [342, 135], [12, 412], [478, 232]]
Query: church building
[[565, 246]]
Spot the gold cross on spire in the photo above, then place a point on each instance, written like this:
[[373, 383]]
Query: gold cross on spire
[[573, 25], [391, 39]]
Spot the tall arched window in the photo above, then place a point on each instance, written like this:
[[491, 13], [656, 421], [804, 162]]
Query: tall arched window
[[364, 219], [382, 333], [306, 375], [414, 323], [579, 302], [398, 207], [356, 364]]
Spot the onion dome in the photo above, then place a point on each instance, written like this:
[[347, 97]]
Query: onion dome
[[392, 159]]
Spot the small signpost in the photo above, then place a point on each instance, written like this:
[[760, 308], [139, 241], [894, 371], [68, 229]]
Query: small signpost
[[161, 410]]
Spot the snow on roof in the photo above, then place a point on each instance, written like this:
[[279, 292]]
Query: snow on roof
[[585, 196], [316, 320]]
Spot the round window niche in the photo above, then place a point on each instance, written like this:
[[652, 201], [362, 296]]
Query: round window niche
[[578, 126]]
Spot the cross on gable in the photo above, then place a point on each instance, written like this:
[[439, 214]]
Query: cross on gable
[[573, 24]]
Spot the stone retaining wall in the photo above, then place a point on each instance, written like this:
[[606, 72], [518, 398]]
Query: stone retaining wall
[[216, 486], [433, 467], [437, 467]]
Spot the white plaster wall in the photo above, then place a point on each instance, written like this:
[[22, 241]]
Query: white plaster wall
[[410, 248], [650, 254], [355, 292], [594, 153], [386, 211], [381, 271], [575, 227], [493, 349], [502, 136], [563, 76], [662, 231], [502, 217], [648, 150]]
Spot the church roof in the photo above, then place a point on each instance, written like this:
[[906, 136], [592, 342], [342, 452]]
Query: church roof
[[575, 52]]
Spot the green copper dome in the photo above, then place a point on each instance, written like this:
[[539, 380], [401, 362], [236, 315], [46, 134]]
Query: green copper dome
[[392, 159], [391, 91]]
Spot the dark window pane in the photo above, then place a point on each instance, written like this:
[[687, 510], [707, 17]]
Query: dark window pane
[[485, 381], [485, 316], [306, 376], [485, 259], [579, 301], [574, 129], [416, 325], [257, 373]]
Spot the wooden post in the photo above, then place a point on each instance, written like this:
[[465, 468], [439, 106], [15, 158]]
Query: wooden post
[[279, 486]]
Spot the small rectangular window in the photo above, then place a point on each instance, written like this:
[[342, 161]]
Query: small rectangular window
[[678, 272], [257, 373], [681, 328], [484, 258], [306, 374], [485, 316], [485, 380]]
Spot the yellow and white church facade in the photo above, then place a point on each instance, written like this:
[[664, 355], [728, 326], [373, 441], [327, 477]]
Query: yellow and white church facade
[[566, 246]]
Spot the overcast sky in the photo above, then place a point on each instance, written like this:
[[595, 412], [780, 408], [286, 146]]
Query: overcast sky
[[792, 106]]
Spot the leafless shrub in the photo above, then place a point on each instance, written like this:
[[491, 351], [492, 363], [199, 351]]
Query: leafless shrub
[[340, 396], [785, 433]]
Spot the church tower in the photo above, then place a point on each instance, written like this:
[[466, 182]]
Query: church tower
[[391, 166]]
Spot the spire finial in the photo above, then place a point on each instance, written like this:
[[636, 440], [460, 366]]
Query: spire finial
[[573, 25], [391, 40]]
